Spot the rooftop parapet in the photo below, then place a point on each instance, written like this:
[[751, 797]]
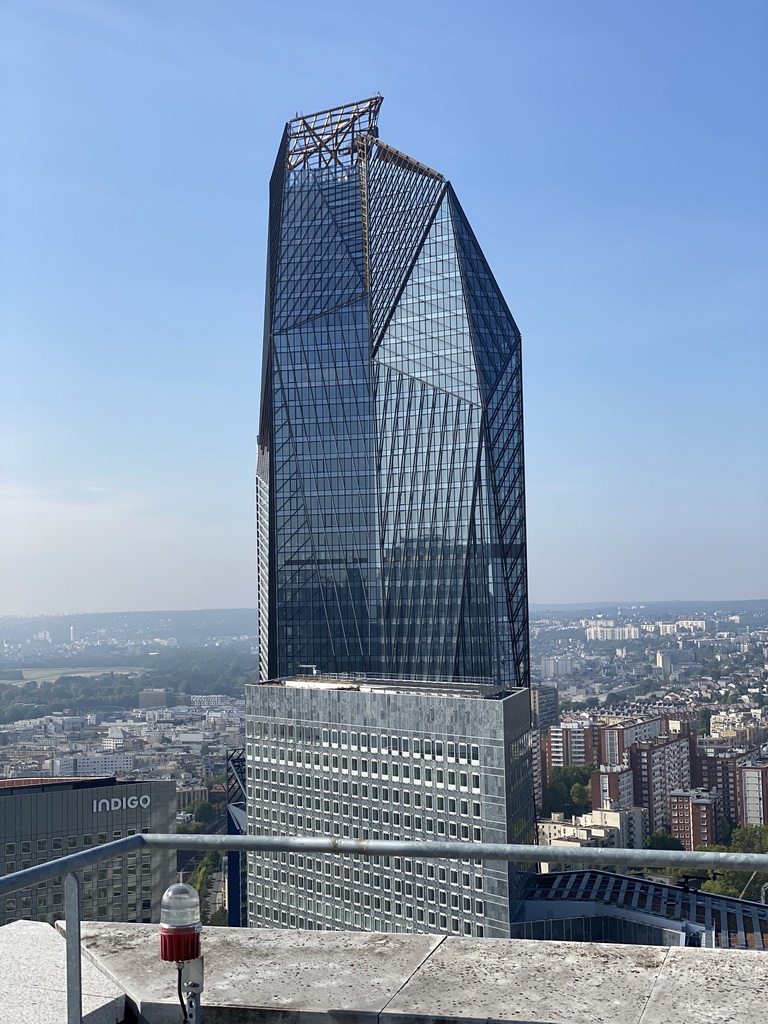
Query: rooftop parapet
[[723, 997], [263, 975], [465, 688]]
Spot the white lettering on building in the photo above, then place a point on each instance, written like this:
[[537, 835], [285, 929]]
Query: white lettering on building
[[121, 803]]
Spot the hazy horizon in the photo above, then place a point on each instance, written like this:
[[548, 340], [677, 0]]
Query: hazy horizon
[[612, 162], [539, 605]]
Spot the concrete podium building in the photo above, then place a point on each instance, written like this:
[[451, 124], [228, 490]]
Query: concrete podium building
[[385, 759]]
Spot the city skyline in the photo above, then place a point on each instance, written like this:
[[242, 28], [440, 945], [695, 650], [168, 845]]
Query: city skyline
[[629, 243]]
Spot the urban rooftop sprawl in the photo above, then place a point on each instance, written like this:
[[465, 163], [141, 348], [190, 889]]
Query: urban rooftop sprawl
[[166, 697]]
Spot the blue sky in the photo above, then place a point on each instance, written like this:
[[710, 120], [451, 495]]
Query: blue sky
[[612, 159]]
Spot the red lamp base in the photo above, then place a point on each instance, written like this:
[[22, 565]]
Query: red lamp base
[[180, 944]]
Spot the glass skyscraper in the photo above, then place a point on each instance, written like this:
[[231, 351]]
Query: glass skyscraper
[[390, 471]]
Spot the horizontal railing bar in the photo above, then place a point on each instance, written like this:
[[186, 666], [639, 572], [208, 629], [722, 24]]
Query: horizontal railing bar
[[71, 862], [588, 856], [427, 849]]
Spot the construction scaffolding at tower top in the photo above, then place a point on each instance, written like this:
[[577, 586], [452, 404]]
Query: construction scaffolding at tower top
[[327, 138]]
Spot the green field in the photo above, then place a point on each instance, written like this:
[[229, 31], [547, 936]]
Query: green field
[[50, 675]]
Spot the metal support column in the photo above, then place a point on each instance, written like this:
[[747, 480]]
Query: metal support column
[[191, 988], [74, 979]]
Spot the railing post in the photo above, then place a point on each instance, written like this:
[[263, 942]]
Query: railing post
[[72, 919]]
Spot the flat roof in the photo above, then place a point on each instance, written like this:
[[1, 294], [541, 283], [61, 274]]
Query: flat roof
[[309, 976], [9, 786], [12, 783], [366, 684]]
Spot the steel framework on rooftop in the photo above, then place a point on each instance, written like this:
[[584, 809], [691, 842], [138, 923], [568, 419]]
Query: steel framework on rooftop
[[327, 138]]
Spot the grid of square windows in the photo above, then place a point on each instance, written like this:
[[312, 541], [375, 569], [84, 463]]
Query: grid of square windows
[[358, 784]]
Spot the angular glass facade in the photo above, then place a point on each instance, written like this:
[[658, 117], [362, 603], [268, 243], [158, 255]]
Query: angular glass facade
[[390, 478]]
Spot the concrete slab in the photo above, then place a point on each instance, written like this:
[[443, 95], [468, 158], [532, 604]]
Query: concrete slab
[[528, 982], [33, 980], [280, 977], [263, 975], [710, 986]]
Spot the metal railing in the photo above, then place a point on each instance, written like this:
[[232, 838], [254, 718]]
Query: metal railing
[[417, 849]]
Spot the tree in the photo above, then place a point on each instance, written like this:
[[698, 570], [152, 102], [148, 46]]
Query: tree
[[726, 829], [747, 839], [556, 797], [750, 839], [581, 798], [702, 725], [572, 773], [190, 827], [664, 841], [562, 790], [204, 811], [201, 877], [619, 696]]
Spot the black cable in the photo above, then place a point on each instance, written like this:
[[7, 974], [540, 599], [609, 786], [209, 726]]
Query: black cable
[[185, 1017]]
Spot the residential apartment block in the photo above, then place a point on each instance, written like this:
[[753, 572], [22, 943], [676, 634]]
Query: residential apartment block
[[544, 707], [754, 793], [617, 738], [723, 772], [695, 817], [604, 828], [613, 786], [84, 766], [571, 742], [660, 766], [612, 632]]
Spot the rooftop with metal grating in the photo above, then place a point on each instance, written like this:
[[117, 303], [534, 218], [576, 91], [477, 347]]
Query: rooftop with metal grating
[[732, 923]]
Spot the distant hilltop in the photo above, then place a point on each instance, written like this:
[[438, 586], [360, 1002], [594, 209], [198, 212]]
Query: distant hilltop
[[657, 606], [187, 627]]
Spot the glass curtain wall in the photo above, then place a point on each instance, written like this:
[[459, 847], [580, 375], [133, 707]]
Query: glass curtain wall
[[390, 482]]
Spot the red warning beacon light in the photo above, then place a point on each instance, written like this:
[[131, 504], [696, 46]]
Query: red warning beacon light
[[180, 924]]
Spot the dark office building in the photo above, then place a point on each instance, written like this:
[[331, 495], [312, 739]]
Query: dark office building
[[44, 819], [390, 469]]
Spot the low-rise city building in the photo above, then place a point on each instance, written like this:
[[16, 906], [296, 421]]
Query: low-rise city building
[[83, 765]]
